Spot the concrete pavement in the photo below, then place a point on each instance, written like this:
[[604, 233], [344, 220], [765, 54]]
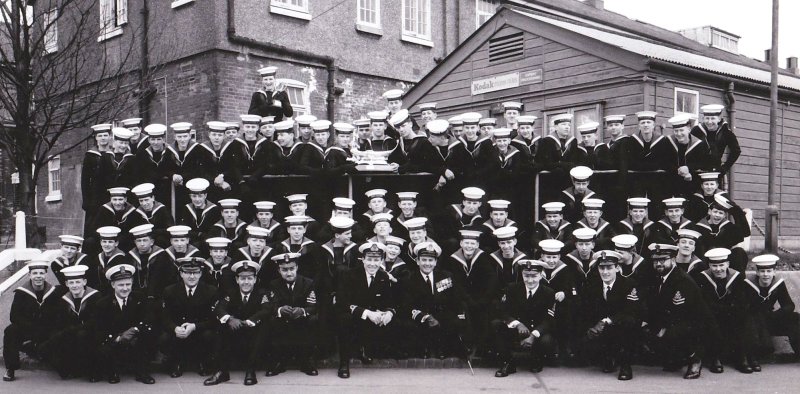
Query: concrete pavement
[[776, 378]]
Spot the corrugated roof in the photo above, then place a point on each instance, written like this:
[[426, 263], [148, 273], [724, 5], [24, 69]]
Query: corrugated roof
[[672, 55]]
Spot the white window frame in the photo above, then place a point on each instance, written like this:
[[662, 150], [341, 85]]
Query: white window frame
[[291, 83], [695, 93], [548, 116], [50, 27], [415, 36], [284, 7], [178, 3], [54, 167], [115, 11], [483, 13], [367, 26], [724, 37]]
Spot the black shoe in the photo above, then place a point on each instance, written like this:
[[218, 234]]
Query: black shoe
[[113, 378], [505, 370], [145, 378], [608, 365], [94, 378], [625, 372], [217, 378], [310, 368], [250, 378], [362, 355], [754, 364], [344, 372], [9, 376], [536, 365], [743, 366], [716, 366], [176, 371], [693, 370], [276, 369]]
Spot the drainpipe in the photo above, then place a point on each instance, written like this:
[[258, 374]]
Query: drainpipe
[[144, 95], [327, 61], [731, 98]]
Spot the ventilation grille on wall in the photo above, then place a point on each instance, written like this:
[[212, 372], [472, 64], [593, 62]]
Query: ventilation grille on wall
[[505, 48]]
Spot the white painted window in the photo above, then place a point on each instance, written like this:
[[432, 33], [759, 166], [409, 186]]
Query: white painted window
[[50, 27], [293, 8], [298, 95], [723, 41], [580, 115], [113, 15], [54, 179], [417, 21], [687, 102], [484, 9], [178, 3], [369, 13]]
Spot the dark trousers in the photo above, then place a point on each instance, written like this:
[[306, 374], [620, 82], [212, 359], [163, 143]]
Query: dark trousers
[[198, 346], [507, 339], [680, 341], [616, 341], [446, 338], [736, 336], [73, 351], [245, 344], [355, 332], [293, 338], [14, 337], [777, 323], [113, 356]]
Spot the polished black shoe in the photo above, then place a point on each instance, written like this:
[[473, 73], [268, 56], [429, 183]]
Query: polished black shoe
[[276, 369], [693, 370], [625, 372], [310, 368], [94, 379], [9, 376], [176, 371], [113, 378], [505, 370], [217, 378], [754, 364], [344, 372], [608, 365], [250, 378], [743, 366], [716, 366], [364, 357], [145, 378]]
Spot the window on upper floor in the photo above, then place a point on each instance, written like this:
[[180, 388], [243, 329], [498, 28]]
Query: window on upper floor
[[293, 8], [113, 15], [54, 179], [687, 102], [298, 95], [178, 3], [368, 16], [417, 22], [723, 41], [50, 27], [484, 9]]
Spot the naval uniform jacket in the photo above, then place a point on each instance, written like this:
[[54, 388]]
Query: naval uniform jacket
[[200, 222], [154, 272], [536, 313], [718, 141], [32, 315], [270, 103], [478, 276]]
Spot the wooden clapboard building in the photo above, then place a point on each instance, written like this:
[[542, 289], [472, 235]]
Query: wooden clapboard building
[[566, 56]]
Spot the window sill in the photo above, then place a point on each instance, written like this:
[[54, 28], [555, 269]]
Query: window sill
[[371, 29], [56, 197], [417, 40], [178, 3], [110, 34], [304, 15]]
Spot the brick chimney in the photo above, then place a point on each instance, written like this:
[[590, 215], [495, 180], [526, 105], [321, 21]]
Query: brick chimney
[[767, 55], [791, 65]]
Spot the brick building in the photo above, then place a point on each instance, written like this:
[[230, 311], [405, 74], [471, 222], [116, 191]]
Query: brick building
[[335, 57]]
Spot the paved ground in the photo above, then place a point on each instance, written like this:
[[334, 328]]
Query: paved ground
[[774, 379]]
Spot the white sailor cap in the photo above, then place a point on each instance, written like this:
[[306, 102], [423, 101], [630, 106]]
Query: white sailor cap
[[132, 122], [38, 263], [553, 207], [118, 191], [640, 202], [376, 193], [285, 126], [471, 118], [305, 120], [377, 116], [381, 217], [561, 118], [506, 232], [229, 203], [74, 271], [588, 128], [722, 202], [399, 118], [321, 126], [592, 203], [216, 126], [296, 198], [646, 115], [197, 185], [614, 118], [712, 109], [343, 203], [392, 240], [121, 133], [764, 261], [487, 122], [264, 206], [625, 241], [501, 132], [472, 193], [719, 255], [102, 128], [250, 119], [427, 107], [108, 232], [232, 126], [680, 120], [181, 127], [155, 130], [511, 105], [437, 126], [296, 220], [498, 205], [257, 232], [218, 243], [179, 231], [266, 71], [142, 230], [674, 202], [120, 271], [362, 122], [470, 234], [394, 94], [709, 176], [456, 120], [73, 240], [580, 173], [526, 119], [407, 196], [343, 128], [143, 190], [415, 223], [584, 234], [267, 120], [551, 246], [688, 234], [341, 223]]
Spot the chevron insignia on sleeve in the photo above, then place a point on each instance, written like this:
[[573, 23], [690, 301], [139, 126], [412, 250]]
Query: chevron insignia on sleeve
[[633, 296], [415, 313], [312, 298], [678, 299], [551, 312]]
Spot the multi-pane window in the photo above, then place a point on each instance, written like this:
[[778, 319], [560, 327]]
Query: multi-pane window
[[54, 179], [417, 19], [687, 102], [369, 12], [50, 27], [298, 95], [484, 9], [298, 5], [724, 41], [113, 14]]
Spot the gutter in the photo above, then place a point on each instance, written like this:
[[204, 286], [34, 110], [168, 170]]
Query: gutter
[[328, 62]]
